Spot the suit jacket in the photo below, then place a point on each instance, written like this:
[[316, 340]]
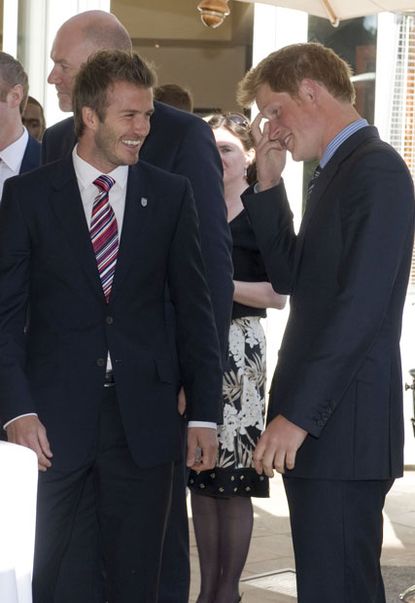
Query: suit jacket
[[339, 374], [32, 156], [56, 366], [182, 143]]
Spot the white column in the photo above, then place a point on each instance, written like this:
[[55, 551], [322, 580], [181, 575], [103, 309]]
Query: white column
[[10, 20], [38, 22], [387, 40], [274, 28], [32, 51]]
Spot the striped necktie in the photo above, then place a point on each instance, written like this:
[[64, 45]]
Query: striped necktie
[[104, 233], [312, 182]]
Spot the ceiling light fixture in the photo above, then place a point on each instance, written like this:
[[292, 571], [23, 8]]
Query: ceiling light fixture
[[213, 12]]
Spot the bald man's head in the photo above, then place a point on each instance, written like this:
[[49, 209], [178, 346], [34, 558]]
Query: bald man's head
[[78, 38]]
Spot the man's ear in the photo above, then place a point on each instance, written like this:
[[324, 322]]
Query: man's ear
[[89, 118], [15, 96], [309, 89]]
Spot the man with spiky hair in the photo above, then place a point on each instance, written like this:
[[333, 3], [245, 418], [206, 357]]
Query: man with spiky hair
[[89, 245], [180, 143]]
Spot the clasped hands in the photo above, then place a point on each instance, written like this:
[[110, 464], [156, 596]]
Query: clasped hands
[[277, 447], [270, 155]]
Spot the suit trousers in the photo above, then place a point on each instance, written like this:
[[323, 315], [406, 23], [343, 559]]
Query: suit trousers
[[337, 531], [79, 560], [82, 557], [131, 504]]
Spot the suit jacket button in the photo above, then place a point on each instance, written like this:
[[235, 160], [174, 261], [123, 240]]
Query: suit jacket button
[[109, 320], [101, 362]]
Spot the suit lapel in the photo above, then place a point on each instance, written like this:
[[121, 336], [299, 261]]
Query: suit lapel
[[139, 203], [67, 206], [346, 150]]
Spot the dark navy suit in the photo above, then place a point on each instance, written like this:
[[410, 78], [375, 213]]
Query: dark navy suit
[[339, 374], [32, 156], [30, 161], [57, 367], [181, 143]]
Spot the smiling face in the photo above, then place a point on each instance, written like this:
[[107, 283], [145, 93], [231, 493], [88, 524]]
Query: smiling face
[[294, 122], [118, 138], [69, 51], [235, 159]]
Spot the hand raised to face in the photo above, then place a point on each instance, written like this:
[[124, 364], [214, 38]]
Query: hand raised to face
[[270, 154]]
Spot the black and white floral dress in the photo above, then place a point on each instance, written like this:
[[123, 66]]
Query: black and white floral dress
[[243, 385]]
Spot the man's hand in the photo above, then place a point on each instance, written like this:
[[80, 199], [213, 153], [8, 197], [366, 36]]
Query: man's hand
[[202, 447], [277, 447], [181, 402], [270, 155], [29, 432]]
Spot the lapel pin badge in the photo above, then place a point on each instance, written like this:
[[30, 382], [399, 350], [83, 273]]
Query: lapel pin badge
[[144, 202]]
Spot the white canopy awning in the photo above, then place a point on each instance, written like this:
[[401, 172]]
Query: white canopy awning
[[338, 10]]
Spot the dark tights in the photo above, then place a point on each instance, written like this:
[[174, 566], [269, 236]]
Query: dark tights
[[223, 529]]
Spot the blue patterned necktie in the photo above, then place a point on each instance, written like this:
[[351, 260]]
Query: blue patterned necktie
[[312, 182]]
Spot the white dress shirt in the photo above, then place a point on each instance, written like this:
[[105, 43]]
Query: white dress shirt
[[11, 158]]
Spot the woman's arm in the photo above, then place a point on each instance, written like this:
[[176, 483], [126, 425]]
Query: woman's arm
[[258, 295]]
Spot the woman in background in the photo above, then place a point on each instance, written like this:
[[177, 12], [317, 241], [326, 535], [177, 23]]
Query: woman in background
[[221, 498]]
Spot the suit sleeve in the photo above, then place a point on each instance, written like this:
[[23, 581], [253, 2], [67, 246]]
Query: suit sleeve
[[15, 397], [196, 334], [272, 221], [198, 160]]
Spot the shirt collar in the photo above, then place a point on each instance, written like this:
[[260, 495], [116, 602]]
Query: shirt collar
[[340, 138], [13, 154], [87, 173]]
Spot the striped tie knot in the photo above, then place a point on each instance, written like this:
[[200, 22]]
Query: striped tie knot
[[313, 181], [104, 182]]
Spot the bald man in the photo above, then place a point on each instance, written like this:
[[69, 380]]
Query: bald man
[[181, 143]]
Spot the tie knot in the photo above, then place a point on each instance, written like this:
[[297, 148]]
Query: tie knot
[[313, 180], [316, 173], [104, 182]]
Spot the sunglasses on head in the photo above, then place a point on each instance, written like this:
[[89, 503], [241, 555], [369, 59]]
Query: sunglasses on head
[[237, 119]]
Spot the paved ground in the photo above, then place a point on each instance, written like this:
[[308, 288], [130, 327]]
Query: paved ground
[[271, 548]]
